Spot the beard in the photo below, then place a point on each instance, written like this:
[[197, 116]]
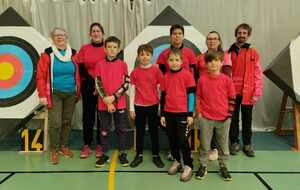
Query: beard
[[241, 40]]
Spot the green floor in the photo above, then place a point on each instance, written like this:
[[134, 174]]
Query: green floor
[[268, 170]]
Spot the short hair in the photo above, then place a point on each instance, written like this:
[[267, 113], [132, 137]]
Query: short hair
[[243, 26], [145, 48], [112, 39], [176, 26], [175, 52], [96, 24], [58, 29], [213, 55]]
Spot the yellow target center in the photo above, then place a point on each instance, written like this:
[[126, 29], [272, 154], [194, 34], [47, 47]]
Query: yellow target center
[[6, 70]]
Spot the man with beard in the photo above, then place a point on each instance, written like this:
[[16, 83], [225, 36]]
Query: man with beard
[[247, 79]]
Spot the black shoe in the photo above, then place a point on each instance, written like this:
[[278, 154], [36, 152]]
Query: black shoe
[[123, 159], [158, 162], [137, 160], [202, 171], [247, 149], [225, 174], [102, 160], [234, 148]]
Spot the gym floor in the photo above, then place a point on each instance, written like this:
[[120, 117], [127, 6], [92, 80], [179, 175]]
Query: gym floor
[[275, 166]]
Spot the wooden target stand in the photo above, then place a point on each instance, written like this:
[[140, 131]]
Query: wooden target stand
[[295, 109]]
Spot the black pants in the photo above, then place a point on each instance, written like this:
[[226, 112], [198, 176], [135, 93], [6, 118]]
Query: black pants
[[120, 119], [89, 106], [144, 114], [178, 140], [246, 122]]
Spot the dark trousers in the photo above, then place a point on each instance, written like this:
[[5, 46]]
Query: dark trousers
[[144, 114], [89, 111], [178, 140], [246, 122], [120, 119], [60, 118]]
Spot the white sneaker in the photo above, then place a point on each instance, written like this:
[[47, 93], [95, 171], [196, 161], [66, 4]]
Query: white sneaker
[[187, 173], [213, 154], [174, 168]]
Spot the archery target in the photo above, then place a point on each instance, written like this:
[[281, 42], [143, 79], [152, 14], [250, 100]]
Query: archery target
[[20, 47], [17, 67]]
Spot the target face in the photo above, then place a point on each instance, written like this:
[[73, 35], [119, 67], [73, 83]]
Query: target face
[[17, 70], [20, 46]]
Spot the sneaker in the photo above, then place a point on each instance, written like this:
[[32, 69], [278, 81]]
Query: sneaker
[[98, 151], [123, 159], [66, 152], [225, 174], [174, 168], [202, 171], [102, 160], [158, 162], [170, 157], [85, 151], [213, 154], [187, 173], [54, 157], [234, 148], [247, 149], [137, 160]]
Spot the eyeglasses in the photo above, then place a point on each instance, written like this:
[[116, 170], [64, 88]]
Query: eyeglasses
[[58, 35], [211, 39]]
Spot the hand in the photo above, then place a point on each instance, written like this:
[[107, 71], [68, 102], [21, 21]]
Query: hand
[[43, 101], [199, 115], [254, 100], [132, 114], [108, 99], [111, 108], [190, 121], [95, 93], [163, 121]]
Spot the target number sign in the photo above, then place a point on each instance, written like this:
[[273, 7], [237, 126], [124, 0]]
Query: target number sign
[[32, 140]]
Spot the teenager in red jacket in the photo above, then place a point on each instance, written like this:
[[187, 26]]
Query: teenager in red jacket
[[247, 79], [90, 54], [58, 86]]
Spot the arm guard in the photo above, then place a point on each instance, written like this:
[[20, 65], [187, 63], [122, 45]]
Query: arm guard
[[99, 87], [124, 87]]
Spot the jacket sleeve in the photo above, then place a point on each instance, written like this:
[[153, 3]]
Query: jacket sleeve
[[258, 80], [41, 75]]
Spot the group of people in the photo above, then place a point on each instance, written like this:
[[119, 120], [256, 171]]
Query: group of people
[[178, 91]]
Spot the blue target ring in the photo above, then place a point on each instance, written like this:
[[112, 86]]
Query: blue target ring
[[26, 61], [28, 57], [157, 50]]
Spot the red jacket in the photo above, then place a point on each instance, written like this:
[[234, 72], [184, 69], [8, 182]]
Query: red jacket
[[246, 73], [43, 76]]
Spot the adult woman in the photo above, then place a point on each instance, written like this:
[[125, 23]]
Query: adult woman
[[58, 86], [214, 43], [89, 55]]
